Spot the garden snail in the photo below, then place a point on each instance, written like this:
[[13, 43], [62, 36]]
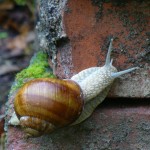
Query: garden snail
[[43, 105]]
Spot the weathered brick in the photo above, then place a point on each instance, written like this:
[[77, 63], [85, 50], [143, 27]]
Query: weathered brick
[[112, 126]]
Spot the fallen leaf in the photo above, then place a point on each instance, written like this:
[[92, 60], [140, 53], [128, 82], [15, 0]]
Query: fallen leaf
[[17, 42], [21, 41], [6, 5], [8, 67]]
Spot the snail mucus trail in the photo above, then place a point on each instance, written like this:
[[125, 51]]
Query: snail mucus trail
[[43, 105]]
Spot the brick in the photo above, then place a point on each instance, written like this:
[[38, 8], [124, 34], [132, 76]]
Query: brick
[[112, 126]]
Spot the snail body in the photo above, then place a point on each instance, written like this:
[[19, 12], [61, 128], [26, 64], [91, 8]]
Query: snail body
[[35, 103]]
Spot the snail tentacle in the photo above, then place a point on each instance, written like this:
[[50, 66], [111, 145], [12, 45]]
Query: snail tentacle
[[117, 74], [108, 60], [111, 62]]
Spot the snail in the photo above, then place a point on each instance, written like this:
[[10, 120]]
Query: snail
[[43, 105]]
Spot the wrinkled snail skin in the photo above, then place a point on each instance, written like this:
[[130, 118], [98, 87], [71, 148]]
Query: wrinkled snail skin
[[43, 105]]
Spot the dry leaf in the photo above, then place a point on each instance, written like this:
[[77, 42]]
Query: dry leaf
[[7, 68], [6, 5], [21, 41]]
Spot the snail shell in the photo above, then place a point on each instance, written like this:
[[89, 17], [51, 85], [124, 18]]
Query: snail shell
[[43, 105]]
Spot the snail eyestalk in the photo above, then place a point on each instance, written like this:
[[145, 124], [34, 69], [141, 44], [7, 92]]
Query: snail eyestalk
[[108, 61], [117, 74], [111, 62]]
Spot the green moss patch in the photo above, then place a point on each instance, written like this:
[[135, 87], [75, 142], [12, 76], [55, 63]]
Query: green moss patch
[[38, 68]]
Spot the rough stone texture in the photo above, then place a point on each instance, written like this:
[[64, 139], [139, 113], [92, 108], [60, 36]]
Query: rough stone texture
[[50, 27], [119, 126], [81, 37]]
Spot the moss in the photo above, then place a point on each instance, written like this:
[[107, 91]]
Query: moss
[[21, 2], [38, 68], [24, 2]]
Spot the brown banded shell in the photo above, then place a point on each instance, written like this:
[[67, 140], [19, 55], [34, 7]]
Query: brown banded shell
[[43, 105]]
